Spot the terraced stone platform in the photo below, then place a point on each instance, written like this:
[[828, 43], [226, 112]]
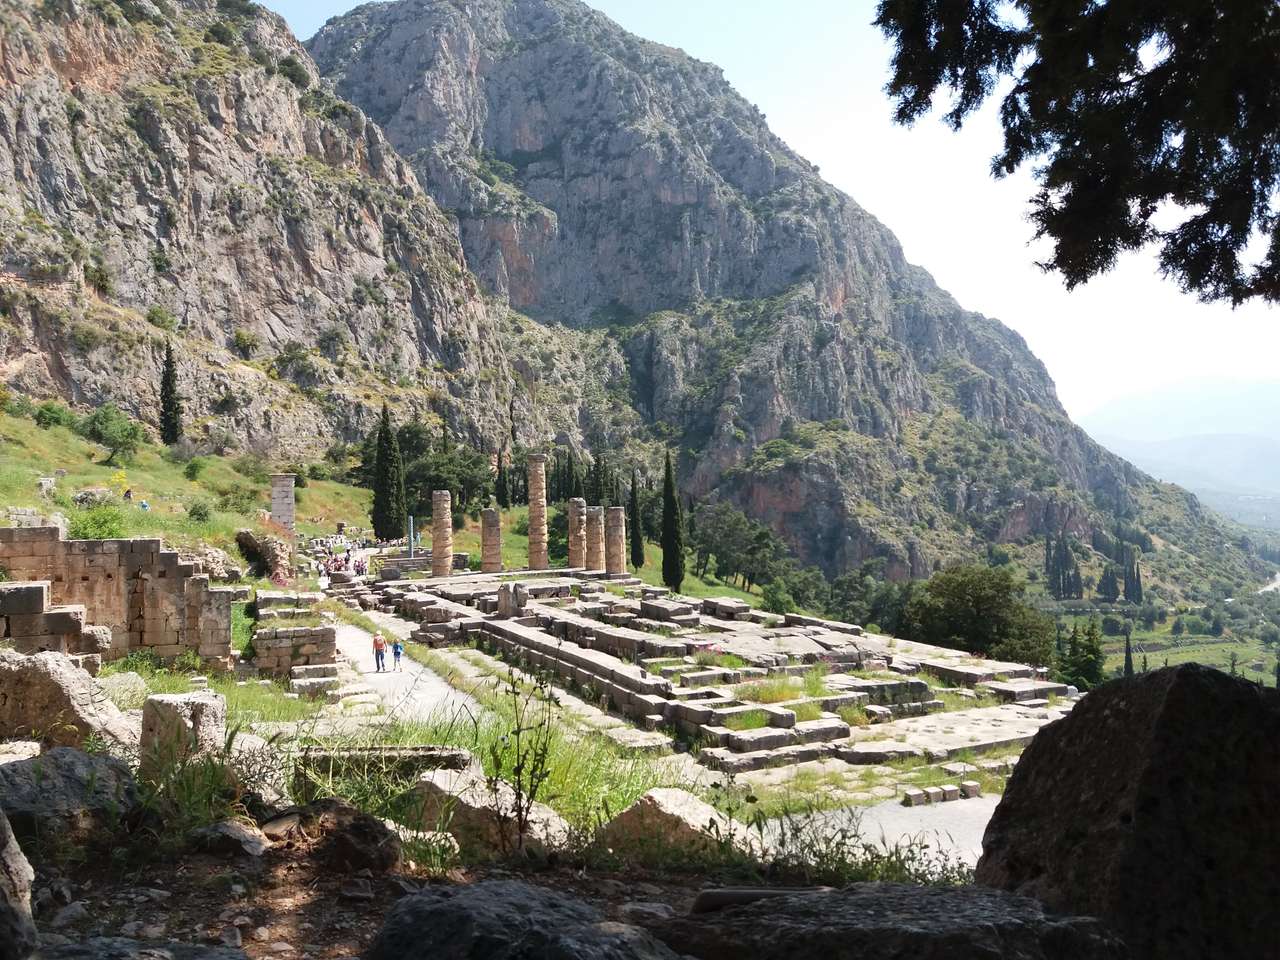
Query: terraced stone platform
[[753, 691]]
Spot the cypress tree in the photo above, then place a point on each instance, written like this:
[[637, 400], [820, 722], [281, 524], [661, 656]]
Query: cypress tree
[[637, 535], [500, 489], [170, 402], [1128, 656], [672, 531], [390, 511]]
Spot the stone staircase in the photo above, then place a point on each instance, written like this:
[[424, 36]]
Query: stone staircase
[[33, 624]]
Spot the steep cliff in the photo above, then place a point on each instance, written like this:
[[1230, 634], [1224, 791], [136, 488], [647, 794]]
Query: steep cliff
[[769, 323], [179, 172], [515, 216]]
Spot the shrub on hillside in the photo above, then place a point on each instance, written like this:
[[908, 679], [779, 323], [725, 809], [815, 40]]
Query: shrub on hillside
[[114, 430], [158, 316], [51, 413], [200, 511], [193, 468], [291, 69], [238, 499], [98, 523]]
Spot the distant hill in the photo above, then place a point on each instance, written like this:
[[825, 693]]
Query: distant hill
[[1195, 408]]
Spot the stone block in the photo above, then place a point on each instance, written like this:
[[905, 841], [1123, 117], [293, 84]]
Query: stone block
[[933, 794], [970, 789], [950, 791], [913, 797], [177, 726], [23, 598]]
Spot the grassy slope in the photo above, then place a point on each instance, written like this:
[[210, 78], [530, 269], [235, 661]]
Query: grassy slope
[[28, 451]]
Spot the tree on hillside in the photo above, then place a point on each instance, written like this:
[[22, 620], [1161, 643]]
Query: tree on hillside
[[501, 490], [1128, 655], [390, 513], [672, 530], [979, 608], [170, 401], [1122, 109], [1109, 585], [110, 427], [633, 523], [1086, 660]]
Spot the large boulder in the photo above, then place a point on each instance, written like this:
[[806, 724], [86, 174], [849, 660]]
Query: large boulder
[[179, 726], [46, 696], [1151, 806], [67, 794], [891, 921], [667, 822], [17, 930], [507, 920], [482, 816]]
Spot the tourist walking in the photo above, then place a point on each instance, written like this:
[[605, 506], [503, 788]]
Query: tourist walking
[[379, 653], [397, 648]]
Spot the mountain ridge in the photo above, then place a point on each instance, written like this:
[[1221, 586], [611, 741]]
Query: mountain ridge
[[731, 304]]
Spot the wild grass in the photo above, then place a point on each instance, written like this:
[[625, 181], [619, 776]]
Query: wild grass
[[854, 715], [711, 658], [747, 720], [814, 681], [806, 711]]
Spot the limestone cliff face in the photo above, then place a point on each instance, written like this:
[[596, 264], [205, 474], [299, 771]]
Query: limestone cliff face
[[184, 161], [768, 321], [515, 216]]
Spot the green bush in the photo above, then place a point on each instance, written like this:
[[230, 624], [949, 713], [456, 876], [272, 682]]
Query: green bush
[[200, 511], [158, 316], [98, 523], [221, 32], [246, 342], [51, 413], [252, 465], [291, 69], [194, 467], [238, 499]]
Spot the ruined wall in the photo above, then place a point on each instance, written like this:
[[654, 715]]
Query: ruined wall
[[137, 588]]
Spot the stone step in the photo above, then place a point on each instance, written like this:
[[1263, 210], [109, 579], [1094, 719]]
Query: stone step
[[314, 671], [313, 687]]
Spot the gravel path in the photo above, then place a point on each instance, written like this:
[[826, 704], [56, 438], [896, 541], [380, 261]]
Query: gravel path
[[412, 693]]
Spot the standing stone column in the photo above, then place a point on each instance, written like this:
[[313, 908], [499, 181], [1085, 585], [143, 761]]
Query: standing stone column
[[282, 503], [538, 511], [615, 542], [595, 538], [577, 532], [490, 541], [441, 533]]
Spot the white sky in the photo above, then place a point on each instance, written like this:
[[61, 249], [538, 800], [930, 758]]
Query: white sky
[[817, 68]]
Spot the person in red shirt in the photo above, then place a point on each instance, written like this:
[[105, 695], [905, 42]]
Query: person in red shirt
[[379, 653]]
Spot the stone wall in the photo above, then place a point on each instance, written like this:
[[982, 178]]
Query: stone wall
[[141, 591], [278, 650]]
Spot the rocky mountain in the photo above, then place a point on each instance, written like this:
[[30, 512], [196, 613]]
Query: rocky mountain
[[514, 216]]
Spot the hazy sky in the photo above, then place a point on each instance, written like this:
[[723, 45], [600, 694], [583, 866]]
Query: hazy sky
[[817, 68]]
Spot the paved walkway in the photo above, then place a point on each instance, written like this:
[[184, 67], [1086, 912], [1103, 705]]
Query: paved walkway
[[954, 828], [412, 693]]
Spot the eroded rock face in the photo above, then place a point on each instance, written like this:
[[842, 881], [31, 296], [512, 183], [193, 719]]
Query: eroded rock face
[[607, 181], [47, 697], [17, 931], [891, 921], [66, 794], [504, 920], [1152, 806]]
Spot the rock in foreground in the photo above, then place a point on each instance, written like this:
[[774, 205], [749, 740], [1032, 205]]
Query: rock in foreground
[[66, 794], [17, 931], [47, 697], [890, 921], [1152, 806], [507, 920], [120, 948]]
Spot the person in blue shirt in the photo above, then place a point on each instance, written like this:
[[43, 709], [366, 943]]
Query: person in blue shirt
[[397, 648]]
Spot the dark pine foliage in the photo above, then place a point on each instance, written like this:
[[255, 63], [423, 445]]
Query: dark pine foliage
[[633, 521], [170, 401], [672, 530], [390, 512], [1122, 107]]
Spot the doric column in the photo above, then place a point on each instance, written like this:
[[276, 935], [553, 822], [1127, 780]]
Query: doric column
[[595, 538], [538, 511], [577, 532], [441, 533], [490, 541], [615, 541]]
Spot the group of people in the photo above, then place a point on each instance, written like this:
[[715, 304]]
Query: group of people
[[380, 652]]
